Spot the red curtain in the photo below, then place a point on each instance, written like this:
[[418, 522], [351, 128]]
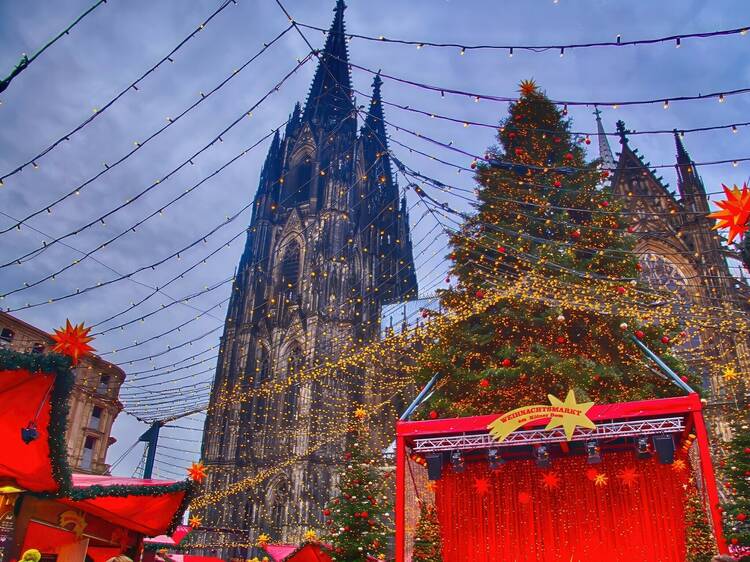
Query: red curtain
[[621, 510]]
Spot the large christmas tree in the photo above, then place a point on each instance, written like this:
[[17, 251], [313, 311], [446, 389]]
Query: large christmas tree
[[356, 518], [736, 477], [550, 256]]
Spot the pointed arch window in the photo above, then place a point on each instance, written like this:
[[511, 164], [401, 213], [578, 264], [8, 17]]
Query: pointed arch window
[[295, 361], [297, 183], [289, 270], [278, 506]]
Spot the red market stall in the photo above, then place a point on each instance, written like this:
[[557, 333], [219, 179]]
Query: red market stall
[[34, 392], [614, 491]]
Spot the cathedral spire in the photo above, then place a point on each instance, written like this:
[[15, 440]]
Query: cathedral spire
[[605, 152], [689, 183], [329, 98]]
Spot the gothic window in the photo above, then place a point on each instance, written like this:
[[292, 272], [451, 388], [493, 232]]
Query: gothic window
[[297, 183], [278, 505], [289, 270], [295, 362], [263, 367]]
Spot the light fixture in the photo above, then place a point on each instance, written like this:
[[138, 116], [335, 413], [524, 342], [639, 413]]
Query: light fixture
[[664, 445], [541, 456], [721, 98], [510, 52], [29, 433], [494, 459], [593, 452], [641, 448], [678, 44], [666, 104], [457, 461]]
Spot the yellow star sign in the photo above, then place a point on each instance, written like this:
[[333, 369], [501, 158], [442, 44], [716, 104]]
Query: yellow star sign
[[568, 414], [574, 415], [729, 373]]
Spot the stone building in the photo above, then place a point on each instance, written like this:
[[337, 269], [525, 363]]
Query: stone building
[[679, 251], [94, 403], [328, 244]]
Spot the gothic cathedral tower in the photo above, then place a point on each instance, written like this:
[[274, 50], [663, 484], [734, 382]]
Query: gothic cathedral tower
[[327, 245]]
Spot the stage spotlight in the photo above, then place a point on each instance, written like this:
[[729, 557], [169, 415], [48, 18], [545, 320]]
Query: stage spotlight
[[434, 465], [641, 448], [664, 445], [593, 452], [494, 459], [457, 461], [541, 455]]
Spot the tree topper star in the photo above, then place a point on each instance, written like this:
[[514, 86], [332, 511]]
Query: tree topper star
[[527, 87], [575, 414]]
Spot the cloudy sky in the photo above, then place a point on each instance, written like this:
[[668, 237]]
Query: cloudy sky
[[121, 39]]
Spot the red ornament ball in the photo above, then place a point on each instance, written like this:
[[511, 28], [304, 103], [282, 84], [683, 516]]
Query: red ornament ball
[[735, 541], [569, 156], [519, 151], [621, 290], [501, 249], [326, 512], [747, 450], [557, 183], [479, 294], [576, 234], [587, 141], [741, 517], [605, 204], [511, 135], [556, 139], [507, 362], [473, 164], [433, 414], [561, 340], [484, 383], [665, 339], [683, 378], [639, 334]]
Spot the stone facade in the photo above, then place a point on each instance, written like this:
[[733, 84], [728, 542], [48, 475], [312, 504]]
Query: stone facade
[[327, 245], [94, 403]]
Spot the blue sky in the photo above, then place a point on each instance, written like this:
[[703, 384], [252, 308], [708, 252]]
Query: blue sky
[[120, 39]]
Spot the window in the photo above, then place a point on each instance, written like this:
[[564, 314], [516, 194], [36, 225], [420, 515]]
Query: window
[[289, 270], [278, 509], [88, 452], [103, 387], [6, 336], [293, 368], [297, 184], [38, 347], [96, 418]]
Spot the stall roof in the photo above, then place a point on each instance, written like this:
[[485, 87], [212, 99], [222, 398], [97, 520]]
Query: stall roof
[[150, 507], [170, 540], [34, 392]]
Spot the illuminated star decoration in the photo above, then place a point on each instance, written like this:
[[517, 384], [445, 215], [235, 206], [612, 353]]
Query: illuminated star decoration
[[197, 472], [311, 536], [569, 422], [601, 480], [195, 521], [360, 413], [527, 87], [628, 476], [679, 465], [735, 211], [729, 373], [481, 485], [72, 341], [551, 480], [262, 541]]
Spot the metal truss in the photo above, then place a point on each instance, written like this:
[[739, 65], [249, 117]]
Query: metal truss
[[535, 436]]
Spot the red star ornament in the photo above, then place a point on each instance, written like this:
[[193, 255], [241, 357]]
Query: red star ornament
[[481, 485], [735, 211], [628, 476], [551, 480], [197, 472], [195, 521], [72, 341]]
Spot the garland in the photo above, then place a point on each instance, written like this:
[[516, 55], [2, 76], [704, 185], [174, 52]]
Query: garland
[[58, 365]]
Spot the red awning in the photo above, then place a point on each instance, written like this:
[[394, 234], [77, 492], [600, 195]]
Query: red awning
[[144, 506], [308, 553], [40, 399], [171, 540]]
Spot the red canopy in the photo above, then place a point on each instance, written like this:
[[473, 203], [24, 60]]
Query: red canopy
[[310, 552], [170, 540], [145, 506], [34, 400]]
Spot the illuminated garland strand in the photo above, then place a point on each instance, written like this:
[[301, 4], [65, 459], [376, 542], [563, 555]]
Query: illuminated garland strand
[[217, 138], [133, 85], [138, 145], [677, 39], [25, 61]]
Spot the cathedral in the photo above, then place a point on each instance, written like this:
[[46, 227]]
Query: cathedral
[[679, 252], [328, 244]]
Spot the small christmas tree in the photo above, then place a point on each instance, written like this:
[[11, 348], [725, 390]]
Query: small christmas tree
[[700, 543], [736, 477], [547, 297], [427, 542], [356, 517]]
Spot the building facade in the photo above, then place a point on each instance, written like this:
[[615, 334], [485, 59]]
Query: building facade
[[94, 402], [679, 252], [328, 244]]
